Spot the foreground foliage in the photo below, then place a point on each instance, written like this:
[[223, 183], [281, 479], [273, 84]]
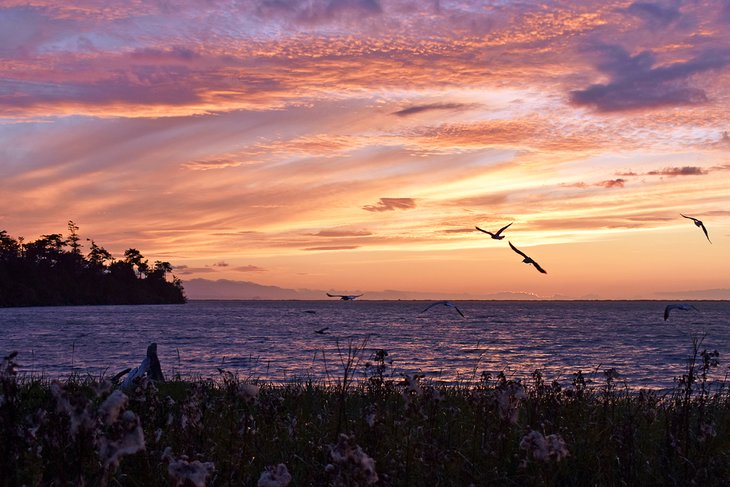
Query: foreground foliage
[[380, 430]]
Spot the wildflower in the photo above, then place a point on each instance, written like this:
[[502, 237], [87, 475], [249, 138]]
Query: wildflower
[[275, 477], [76, 407], [248, 392], [544, 448], [192, 414], [112, 406], [371, 416], [126, 438], [182, 472], [351, 464], [412, 390], [413, 386], [509, 399]]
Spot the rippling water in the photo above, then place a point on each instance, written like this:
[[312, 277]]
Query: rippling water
[[275, 340]]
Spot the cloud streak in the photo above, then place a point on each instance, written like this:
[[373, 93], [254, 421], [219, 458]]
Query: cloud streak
[[391, 204]]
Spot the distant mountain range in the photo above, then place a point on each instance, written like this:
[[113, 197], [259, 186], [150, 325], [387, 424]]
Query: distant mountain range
[[719, 294], [227, 289]]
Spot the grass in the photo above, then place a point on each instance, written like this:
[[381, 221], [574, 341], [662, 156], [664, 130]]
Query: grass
[[381, 430]]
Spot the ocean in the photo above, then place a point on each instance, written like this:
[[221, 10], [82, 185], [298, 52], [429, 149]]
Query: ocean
[[276, 340]]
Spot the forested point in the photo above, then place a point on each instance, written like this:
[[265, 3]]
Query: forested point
[[53, 271]]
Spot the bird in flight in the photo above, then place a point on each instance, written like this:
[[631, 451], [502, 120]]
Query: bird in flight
[[498, 235], [527, 260], [445, 303], [345, 297], [322, 330], [682, 306], [699, 224]]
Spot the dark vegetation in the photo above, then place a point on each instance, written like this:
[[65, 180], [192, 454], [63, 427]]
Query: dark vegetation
[[377, 430], [53, 271]]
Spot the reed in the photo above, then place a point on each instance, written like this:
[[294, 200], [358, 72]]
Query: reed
[[379, 429]]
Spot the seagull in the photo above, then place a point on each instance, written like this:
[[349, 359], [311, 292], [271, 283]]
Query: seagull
[[495, 236], [345, 297], [322, 330], [682, 306], [699, 224], [445, 303], [528, 260]]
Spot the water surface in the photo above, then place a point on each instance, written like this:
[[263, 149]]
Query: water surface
[[275, 340]]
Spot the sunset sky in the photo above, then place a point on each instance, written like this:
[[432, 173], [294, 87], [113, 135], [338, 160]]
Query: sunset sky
[[353, 145]]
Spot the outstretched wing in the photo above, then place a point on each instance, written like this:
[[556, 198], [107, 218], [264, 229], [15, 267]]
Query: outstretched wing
[[537, 266], [702, 225], [503, 228], [518, 250], [459, 311], [488, 233], [689, 217], [334, 295], [432, 305]]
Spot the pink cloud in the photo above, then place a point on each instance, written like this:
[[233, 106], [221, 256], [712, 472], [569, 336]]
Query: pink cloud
[[612, 183], [391, 204], [249, 268]]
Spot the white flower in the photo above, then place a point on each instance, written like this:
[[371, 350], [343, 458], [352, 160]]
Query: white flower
[[413, 386], [112, 406], [275, 477], [248, 392], [181, 471], [544, 448], [77, 409], [509, 400], [131, 440], [350, 457]]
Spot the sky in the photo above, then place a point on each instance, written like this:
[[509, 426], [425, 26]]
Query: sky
[[354, 145]]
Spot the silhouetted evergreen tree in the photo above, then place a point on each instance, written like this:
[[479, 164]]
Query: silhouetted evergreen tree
[[44, 272]]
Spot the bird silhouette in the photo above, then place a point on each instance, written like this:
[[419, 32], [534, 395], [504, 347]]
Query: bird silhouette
[[699, 224], [445, 303], [345, 297], [527, 260], [322, 330], [682, 306], [498, 234]]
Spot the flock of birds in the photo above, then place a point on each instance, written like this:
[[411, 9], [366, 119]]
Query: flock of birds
[[529, 260]]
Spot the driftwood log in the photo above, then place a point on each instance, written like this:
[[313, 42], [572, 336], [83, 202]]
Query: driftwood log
[[150, 366]]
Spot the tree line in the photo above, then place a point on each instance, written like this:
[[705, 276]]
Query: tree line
[[53, 271]]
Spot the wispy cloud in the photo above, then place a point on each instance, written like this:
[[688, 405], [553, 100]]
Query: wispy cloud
[[342, 233], [415, 109], [332, 247], [249, 268], [670, 171], [211, 164], [612, 183], [391, 204], [679, 171]]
